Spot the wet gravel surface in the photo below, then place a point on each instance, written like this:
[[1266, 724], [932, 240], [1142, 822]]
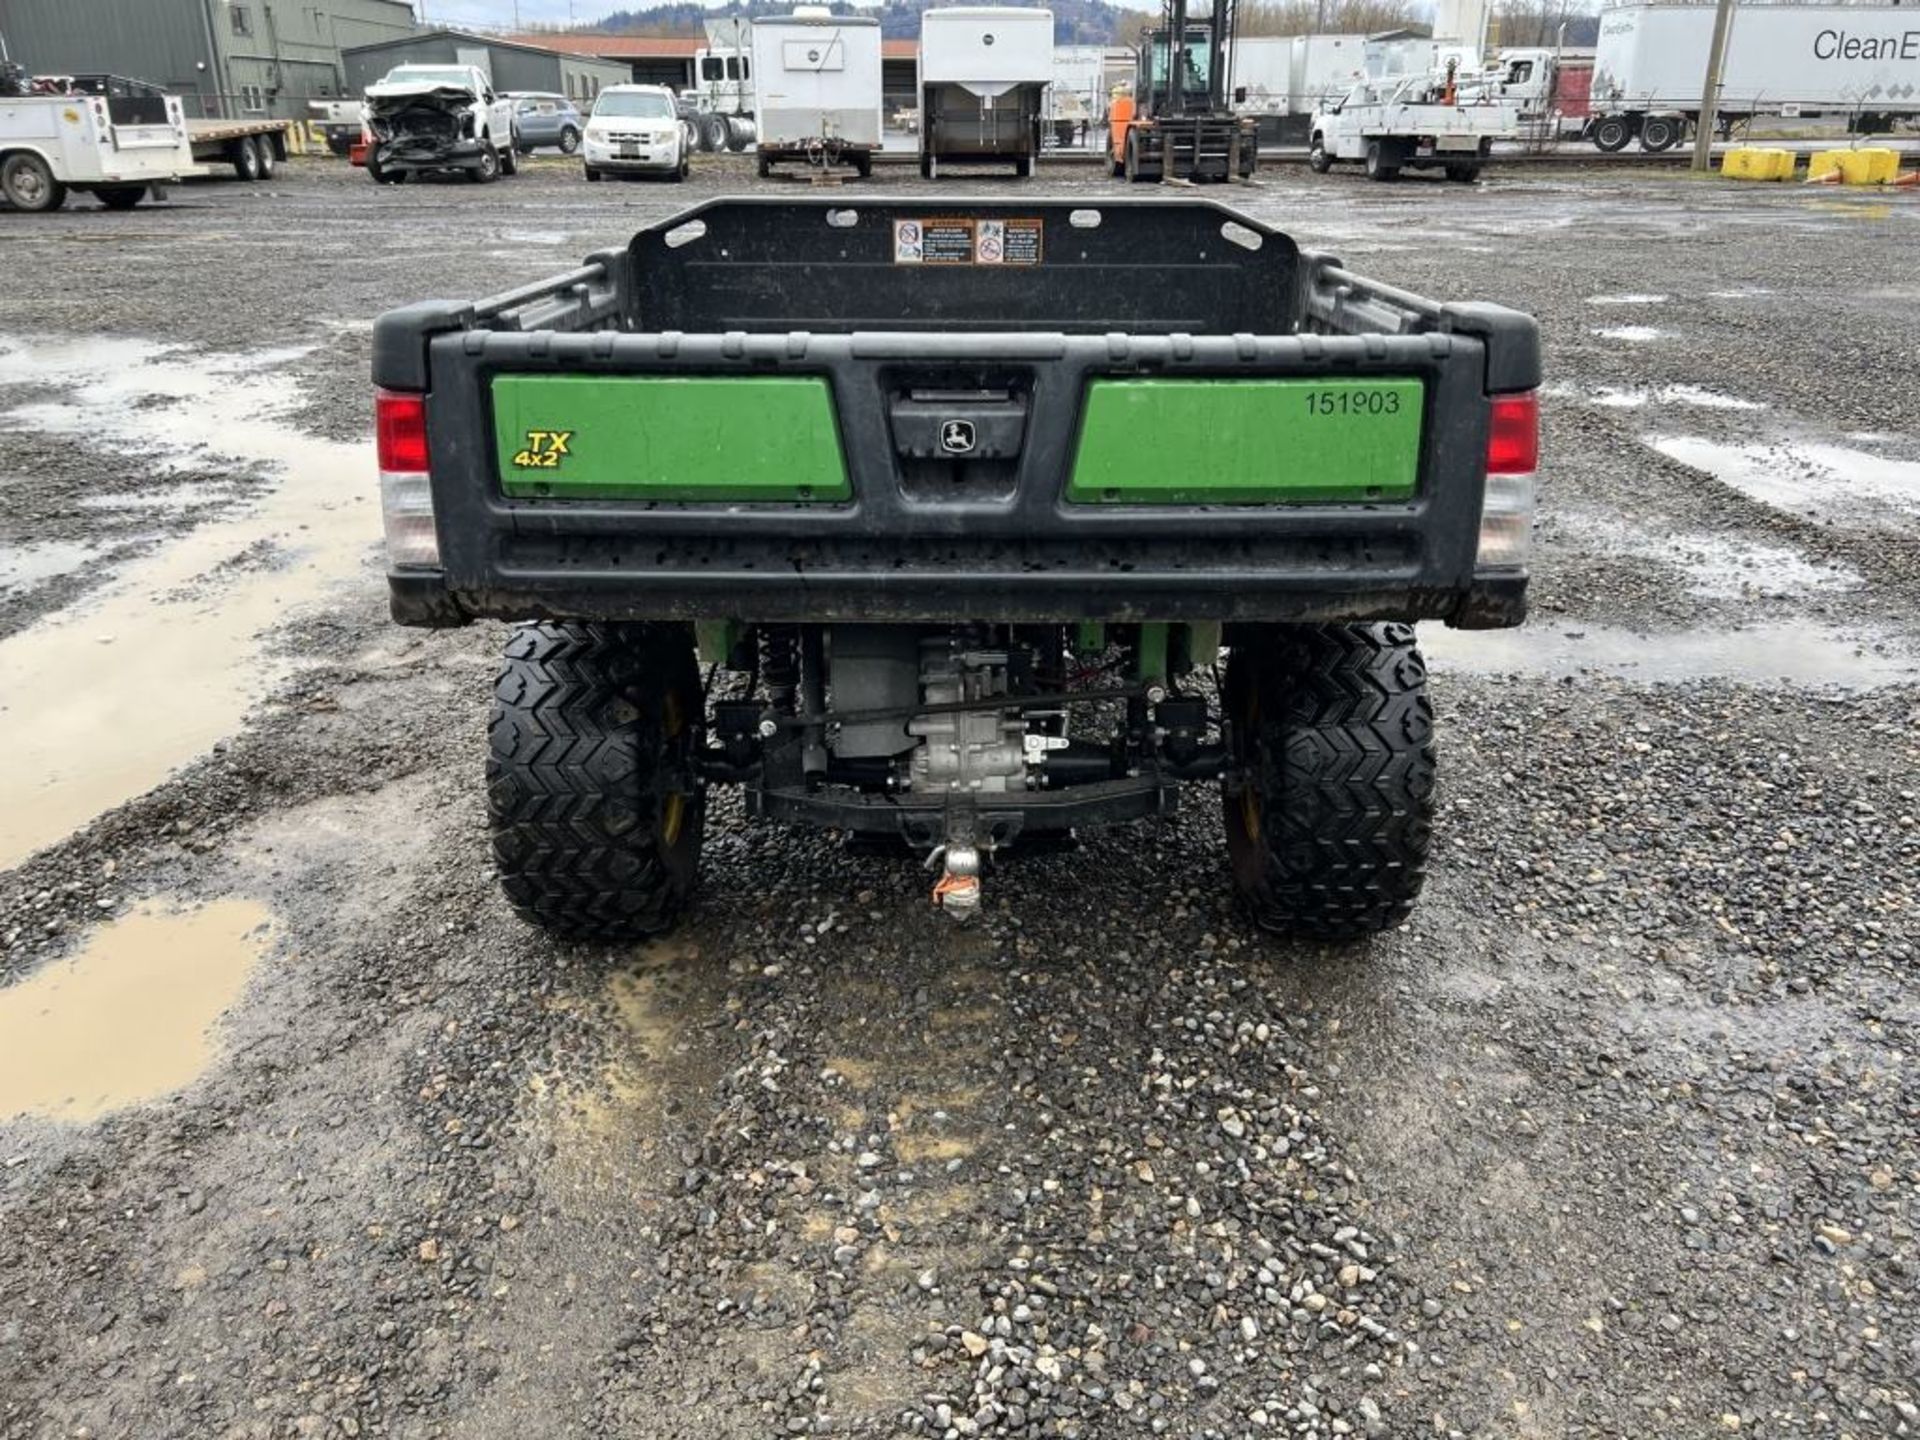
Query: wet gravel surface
[[1620, 1136]]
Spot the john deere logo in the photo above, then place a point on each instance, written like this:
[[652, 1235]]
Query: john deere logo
[[956, 437]]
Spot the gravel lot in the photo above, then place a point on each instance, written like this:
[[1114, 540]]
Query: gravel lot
[[1621, 1136]]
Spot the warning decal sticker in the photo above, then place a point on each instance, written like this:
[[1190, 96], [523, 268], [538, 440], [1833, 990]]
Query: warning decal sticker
[[954, 240]]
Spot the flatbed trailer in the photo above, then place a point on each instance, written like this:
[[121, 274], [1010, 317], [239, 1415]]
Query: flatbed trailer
[[251, 147]]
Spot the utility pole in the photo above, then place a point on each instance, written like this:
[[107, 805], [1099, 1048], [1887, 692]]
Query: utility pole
[[1710, 93]]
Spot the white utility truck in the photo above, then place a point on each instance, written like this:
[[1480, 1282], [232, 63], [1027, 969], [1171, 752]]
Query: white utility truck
[[983, 77], [1283, 80], [1789, 61], [1416, 122], [118, 147], [816, 78]]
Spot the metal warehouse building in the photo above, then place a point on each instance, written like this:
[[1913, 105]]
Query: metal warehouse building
[[224, 58], [511, 64]]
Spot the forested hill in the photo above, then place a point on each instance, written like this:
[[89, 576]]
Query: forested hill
[[1075, 22]]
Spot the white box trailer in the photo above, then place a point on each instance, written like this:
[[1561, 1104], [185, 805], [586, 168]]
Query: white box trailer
[[983, 76], [116, 146], [1077, 96], [1259, 73], [1323, 68], [1795, 61], [816, 79]]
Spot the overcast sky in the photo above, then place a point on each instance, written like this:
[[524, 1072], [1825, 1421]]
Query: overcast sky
[[509, 12]]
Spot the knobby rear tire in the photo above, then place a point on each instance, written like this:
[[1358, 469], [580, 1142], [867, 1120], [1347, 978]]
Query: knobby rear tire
[[1330, 819], [596, 822]]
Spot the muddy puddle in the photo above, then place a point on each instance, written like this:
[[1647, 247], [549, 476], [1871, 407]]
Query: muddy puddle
[[130, 1018], [1697, 396], [1715, 567], [100, 702], [1635, 397], [24, 566], [1791, 653], [1802, 478]]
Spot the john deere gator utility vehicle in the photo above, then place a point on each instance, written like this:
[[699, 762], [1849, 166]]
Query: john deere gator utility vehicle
[[927, 520]]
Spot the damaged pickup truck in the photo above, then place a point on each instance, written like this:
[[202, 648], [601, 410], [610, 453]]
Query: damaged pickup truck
[[438, 117]]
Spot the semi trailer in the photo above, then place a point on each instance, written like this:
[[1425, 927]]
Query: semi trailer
[[983, 77], [1787, 61]]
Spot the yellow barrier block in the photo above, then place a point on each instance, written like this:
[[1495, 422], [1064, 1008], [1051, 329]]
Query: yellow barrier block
[[1751, 162], [1826, 162], [1870, 166]]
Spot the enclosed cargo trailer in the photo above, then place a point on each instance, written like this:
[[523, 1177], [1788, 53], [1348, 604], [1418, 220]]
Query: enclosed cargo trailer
[[816, 76], [984, 72]]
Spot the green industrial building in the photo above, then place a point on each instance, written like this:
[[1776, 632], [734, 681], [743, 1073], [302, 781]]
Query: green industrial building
[[225, 58]]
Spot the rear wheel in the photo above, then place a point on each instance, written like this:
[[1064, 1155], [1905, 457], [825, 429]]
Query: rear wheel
[[28, 183], [713, 132], [766, 166], [596, 821], [245, 156], [863, 166], [1657, 133], [1612, 133], [1463, 174], [510, 159], [1329, 817], [569, 140], [121, 197], [1382, 163], [264, 145]]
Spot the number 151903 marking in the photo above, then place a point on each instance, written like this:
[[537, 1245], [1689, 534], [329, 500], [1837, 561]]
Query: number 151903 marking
[[1353, 402]]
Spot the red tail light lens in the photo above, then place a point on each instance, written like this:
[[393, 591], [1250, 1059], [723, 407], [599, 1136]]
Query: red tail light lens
[[400, 430], [1513, 440]]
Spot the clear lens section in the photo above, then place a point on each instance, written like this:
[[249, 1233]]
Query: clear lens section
[[406, 509], [1506, 521]]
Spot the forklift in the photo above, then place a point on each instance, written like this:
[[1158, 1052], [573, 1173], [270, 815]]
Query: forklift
[[1178, 125]]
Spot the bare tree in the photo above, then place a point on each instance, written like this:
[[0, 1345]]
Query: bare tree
[[1324, 17], [1533, 22]]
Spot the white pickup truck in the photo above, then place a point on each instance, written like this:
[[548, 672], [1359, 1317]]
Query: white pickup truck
[[116, 146], [1415, 122], [438, 117]]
